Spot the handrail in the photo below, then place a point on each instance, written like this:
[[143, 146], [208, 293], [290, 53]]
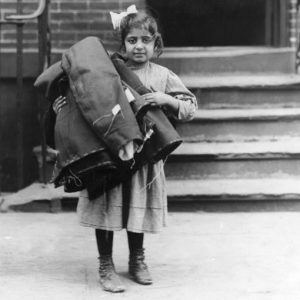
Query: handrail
[[38, 12], [41, 14], [297, 67]]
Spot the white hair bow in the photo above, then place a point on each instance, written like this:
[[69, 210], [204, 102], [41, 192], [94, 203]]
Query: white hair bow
[[117, 18]]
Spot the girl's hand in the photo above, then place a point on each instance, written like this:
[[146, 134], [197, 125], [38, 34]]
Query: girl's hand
[[161, 99], [59, 103]]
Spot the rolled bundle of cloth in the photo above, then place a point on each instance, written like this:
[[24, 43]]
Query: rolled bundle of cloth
[[96, 122], [99, 122], [164, 138]]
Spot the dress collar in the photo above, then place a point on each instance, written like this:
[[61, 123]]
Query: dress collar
[[139, 67]]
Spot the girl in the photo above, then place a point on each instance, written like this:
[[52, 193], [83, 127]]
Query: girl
[[140, 204]]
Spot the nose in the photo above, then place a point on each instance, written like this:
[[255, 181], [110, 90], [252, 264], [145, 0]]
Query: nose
[[139, 44]]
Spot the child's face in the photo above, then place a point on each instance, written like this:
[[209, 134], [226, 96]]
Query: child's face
[[139, 46]]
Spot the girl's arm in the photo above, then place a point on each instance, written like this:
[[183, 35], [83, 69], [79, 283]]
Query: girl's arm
[[187, 102], [177, 99], [187, 106], [49, 119]]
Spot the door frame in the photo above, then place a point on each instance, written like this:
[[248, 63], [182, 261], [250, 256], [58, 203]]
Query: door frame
[[276, 23]]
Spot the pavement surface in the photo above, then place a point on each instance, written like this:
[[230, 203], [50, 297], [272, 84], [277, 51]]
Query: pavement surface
[[200, 255]]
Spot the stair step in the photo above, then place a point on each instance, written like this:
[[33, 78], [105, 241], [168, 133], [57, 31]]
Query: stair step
[[248, 97], [288, 148], [241, 80], [244, 90], [281, 190], [234, 189], [36, 197], [228, 59], [247, 114], [231, 124], [261, 159]]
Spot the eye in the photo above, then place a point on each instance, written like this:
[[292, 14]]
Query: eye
[[131, 40], [147, 39]]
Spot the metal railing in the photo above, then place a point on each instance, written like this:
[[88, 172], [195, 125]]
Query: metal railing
[[297, 67], [37, 13], [44, 48]]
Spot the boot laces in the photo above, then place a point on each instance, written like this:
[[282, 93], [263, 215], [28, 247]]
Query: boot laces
[[137, 260], [106, 268]]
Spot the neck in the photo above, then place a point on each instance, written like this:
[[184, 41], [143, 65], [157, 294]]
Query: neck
[[137, 65]]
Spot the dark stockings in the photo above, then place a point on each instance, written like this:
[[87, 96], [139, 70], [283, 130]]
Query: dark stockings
[[105, 241], [135, 241]]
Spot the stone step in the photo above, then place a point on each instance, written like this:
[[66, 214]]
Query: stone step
[[231, 98], [245, 90], [239, 124], [261, 189], [241, 80], [235, 194], [38, 197], [242, 150], [272, 159], [228, 59]]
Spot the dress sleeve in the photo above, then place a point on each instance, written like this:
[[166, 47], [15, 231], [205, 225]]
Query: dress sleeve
[[187, 102]]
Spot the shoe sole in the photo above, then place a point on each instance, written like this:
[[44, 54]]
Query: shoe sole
[[140, 282]]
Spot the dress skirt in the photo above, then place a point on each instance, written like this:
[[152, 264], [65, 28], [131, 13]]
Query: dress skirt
[[138, 205]]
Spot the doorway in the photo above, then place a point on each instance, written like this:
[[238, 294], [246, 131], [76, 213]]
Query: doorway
[[208, 23]]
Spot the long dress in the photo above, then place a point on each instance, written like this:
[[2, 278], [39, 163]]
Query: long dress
[[140, 204]]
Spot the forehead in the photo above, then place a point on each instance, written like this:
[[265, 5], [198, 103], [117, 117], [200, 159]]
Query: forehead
[[138, 32]]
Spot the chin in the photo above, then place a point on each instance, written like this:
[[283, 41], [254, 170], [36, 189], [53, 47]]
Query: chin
[[140, 61]]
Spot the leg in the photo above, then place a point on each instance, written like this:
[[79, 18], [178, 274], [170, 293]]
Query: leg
[[104, 240], [135, 241], [108, 276], [137, 266]]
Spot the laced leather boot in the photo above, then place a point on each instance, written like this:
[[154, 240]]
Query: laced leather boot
[[108, 277], [138, 269]]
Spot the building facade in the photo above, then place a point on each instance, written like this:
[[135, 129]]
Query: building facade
[[194, 26], [183, 23]]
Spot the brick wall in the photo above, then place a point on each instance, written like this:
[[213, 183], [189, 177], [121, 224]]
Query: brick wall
[[7, 33], [71, 20]]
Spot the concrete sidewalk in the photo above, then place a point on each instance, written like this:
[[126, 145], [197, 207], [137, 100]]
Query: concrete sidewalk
[[251, 255]]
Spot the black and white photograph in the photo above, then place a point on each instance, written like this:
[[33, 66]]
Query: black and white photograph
[[149, 149]]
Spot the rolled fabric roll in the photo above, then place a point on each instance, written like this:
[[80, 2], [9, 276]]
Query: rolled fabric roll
[[165, 138]]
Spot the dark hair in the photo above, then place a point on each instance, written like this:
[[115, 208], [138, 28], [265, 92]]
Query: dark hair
[[141, 20]]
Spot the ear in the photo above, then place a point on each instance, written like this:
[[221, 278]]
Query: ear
[[155, 45]]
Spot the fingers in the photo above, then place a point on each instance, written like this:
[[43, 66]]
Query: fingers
[[59, 103], [59, 98], [152, 99], [149, 97], [146, 96]]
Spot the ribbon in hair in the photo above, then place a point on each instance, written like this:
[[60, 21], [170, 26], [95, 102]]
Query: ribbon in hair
[[117, 18]]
